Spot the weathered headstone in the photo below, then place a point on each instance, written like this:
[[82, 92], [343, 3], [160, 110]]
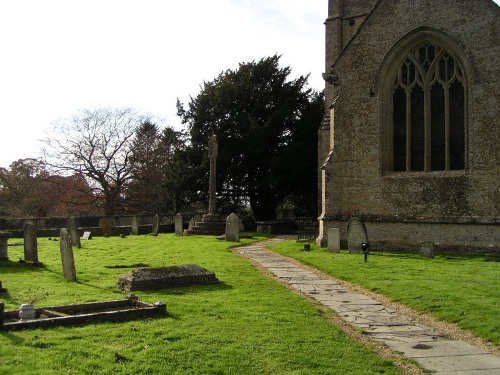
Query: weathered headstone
[[427, 250], [87, 236], [106, 225], [178, 224], [333, 240], [191, 224], [67, 258], [356, 234], [135, 226], [4, 245], [73, 232], [30, 243], [233, 228], [156, 225]]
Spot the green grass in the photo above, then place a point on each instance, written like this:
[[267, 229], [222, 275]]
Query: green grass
[[248, 324], [457, 288]]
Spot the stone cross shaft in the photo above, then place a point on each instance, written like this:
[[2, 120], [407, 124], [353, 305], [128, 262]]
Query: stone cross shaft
[[212, 154]]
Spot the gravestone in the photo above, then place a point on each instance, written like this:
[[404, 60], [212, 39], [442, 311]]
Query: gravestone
[[178, 224], [2, 290], [87, 236], [4, 245], [135, 226], [73, 232], [67, 258], [333, 240], [191, 224], [156, 225], [233, 228], [427, 250], [356, 234], [166, 277], [30, 243], [106, 225]]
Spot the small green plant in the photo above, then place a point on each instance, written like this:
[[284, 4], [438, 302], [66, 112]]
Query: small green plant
[[35, 295]]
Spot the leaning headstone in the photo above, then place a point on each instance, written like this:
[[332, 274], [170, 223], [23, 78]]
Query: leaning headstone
[[178, 224], [68, 260], [106, 225], [87, 236], [135, 226], [333, 240], [233, 228], [156, 225], [30, 243], [356, 234], [427, 250], [73, 232]]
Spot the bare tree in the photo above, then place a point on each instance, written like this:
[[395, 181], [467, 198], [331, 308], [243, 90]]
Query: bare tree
[[97, 144]]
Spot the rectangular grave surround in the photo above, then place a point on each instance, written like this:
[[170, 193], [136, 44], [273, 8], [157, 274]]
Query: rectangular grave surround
[[88, 313]]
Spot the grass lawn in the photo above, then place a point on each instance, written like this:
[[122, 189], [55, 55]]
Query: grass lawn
[[248, 324], [462, 289]]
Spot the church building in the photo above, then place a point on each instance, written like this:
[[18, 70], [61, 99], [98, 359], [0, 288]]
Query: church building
[[410, 140]]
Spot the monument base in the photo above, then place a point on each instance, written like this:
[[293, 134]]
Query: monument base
[[211, 224]]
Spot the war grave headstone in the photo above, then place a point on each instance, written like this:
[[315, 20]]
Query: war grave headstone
[[233, 228], [67, 258], [30, 243], [135, 226], [73, 232], [333, 244], [87, 235], [156, 225], [4, 245], [178, 220], [356, 235], [106, 225], [166, 277]]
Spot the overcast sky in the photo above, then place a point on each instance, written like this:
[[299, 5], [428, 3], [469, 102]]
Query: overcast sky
[[59, 56]]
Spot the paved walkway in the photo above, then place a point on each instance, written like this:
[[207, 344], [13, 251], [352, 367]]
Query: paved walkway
[[428, 347]]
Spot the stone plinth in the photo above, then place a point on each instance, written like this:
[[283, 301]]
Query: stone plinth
[[166, 277], [211, 224]]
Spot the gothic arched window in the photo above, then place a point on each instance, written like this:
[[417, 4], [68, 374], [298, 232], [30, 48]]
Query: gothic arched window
[[428, 112]]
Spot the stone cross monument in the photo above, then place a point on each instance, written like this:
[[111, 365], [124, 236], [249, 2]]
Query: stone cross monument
[[213, 150]]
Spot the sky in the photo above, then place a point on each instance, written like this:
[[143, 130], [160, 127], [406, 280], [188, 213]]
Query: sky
[[60, 56]]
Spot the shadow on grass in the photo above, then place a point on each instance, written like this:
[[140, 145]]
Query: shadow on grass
[[10, 266]]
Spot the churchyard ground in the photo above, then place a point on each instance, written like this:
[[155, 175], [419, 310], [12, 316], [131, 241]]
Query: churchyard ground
[[247, 324]]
